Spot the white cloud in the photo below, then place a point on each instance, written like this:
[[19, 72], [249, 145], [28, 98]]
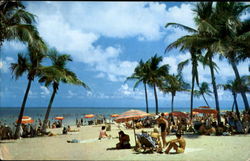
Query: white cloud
[[71, 94], [45, 91], [5, 64]]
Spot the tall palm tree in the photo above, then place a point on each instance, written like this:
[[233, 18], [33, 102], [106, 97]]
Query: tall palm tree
[[172, 84], [202, 38], [204, 89], [30, 64], [235, 86], [54, 75], [17, 23], [233, 37], [155, 75], [140, 74]]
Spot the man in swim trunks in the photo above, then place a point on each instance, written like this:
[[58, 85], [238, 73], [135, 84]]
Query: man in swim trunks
[[172, 144], [163, 124]]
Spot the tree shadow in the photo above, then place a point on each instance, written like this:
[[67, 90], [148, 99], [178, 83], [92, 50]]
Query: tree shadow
[[7, 142]]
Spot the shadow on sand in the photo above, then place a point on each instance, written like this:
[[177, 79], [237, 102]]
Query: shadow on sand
[[114, 148]]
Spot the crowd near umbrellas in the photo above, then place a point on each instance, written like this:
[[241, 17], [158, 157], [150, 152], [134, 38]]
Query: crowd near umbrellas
[[89, 116], [131, 115], [59, 118], [26, 120]]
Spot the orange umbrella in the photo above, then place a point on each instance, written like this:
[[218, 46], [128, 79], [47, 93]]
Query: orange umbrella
[[166, 114], [132, 115], [204, 107], [59, 118], [89, 116], [207, 111], [26, 120], [178, 113], [114, 115]]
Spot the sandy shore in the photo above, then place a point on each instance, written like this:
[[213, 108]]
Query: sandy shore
[[199, 148]]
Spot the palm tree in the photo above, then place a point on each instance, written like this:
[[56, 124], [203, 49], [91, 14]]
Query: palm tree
[[202, 38], [140, 74], [172, 84], [30, 64], [17, 23], [54, 75], [233, 38], [236, 86], [155, 75], [204, 89]]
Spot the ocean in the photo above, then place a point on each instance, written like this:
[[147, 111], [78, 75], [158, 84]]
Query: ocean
[[70, 114]]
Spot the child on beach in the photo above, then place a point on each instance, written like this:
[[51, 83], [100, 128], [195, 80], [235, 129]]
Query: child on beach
[[103, 133], [123, 141], [172, 144]]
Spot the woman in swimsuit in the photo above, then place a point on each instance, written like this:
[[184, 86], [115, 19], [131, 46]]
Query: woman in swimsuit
[[163, 124]]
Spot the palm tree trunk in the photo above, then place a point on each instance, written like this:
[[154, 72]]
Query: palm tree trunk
[[17, 132], [192, 96], [236, 105], [205, 100], [156, 101], [214, 88], [172, 103], [48, 111], [146, 96], [233, 107], [243, 94]]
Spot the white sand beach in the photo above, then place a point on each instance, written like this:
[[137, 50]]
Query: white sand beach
[[199, 148]]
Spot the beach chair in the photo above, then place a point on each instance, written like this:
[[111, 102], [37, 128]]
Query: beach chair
[[91, 122], [146, 142]]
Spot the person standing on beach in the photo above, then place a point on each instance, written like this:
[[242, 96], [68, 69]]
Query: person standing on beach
[[163, 124]]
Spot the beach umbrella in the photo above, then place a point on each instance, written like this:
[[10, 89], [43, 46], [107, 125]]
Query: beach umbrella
[[205, 111], [166, 114], [59, 118], [26, 120], [195, 113], [179, 114], [89, 116], [204, 107], [131, 115], [114, 115]]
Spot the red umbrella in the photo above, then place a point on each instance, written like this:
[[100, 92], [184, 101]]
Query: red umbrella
[[114, 115], [89, 116], [204, 107], [59, 118], [178, 113], [26, 120], [207, 111], [132, 115]]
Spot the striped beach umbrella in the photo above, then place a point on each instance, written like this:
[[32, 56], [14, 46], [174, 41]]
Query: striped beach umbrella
[[26, 120], [89, 116], [204, 107], [179, 114], [132, 115]]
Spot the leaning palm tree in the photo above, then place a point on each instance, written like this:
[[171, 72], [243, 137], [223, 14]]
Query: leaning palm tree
[[140, 74], [155, 75], [30, 64], [236, 86], [204, 89], [54, 75], [172, 84], [17, 23]]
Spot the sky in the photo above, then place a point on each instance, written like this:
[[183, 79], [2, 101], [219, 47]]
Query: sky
[[106, 41]]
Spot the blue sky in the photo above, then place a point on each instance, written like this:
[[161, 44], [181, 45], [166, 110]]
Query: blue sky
[[106, 41]]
